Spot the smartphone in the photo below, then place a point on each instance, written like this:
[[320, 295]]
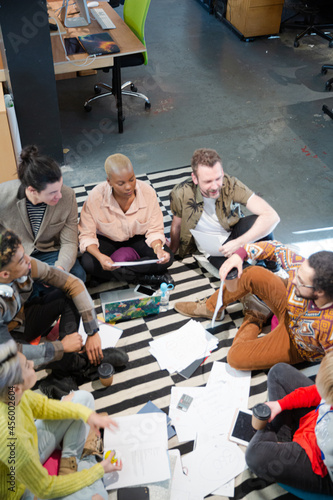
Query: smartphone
[[144, 290], [242, 431], [136, 493], [73, 46]]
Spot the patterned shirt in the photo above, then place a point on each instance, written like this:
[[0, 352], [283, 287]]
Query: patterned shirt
[[186, 202], [310, 328]]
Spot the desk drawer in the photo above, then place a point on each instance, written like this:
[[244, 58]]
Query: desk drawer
[[252, 18]]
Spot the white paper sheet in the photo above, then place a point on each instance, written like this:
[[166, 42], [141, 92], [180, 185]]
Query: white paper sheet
[[141, 441], [213, 464], [219, 304], [236, 381], [109, 334], [208, 243], [179, 349], [180, 483], [135, 263]]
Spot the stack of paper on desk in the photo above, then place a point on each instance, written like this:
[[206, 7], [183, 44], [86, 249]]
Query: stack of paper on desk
[[141, 442], [179, 349]]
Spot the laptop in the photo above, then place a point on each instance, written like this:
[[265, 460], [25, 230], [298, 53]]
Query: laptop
[[98, 44], [122, 305]]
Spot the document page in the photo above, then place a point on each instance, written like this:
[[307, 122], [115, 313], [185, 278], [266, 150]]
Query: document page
[[141, 442], [208, 243]]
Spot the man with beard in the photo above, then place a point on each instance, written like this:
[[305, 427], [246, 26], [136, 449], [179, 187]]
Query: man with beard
[[302, 304], [209, 203]]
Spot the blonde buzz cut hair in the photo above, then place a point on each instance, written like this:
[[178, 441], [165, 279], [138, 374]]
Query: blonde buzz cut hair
[[324, 379], [116, 164]]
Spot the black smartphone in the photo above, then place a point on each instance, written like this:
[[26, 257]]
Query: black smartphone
[[136, 493], [144, 290], [73, 46]]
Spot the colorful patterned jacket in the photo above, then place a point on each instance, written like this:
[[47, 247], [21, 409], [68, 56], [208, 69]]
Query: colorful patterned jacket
[[310, 328]]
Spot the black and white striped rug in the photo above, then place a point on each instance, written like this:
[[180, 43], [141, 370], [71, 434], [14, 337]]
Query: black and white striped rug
[[142, 380]]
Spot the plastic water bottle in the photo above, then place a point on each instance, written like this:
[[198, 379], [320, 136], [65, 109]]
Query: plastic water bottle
[[165, 295]]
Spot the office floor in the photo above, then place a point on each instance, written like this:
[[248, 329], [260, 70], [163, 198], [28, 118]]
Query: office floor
[[258, 103]]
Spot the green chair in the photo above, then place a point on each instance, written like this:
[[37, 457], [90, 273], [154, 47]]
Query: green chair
[[135, 13]]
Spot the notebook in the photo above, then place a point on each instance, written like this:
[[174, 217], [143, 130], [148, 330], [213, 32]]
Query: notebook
[[121, 305], [99, 44]]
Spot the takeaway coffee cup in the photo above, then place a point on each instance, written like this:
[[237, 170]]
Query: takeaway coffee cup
[[260, 416], [105, 373], [231, 281]]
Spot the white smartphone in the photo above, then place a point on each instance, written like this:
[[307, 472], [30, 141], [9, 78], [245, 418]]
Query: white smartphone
[[241, 430], [144, 290]]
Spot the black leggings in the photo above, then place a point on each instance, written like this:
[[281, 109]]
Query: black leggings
[[272, 454], [106, 246]]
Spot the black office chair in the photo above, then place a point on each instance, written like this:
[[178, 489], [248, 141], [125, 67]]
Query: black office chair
[[135, 13], [310, 11]]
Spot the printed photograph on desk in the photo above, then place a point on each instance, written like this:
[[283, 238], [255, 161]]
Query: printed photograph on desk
[[99, 44]]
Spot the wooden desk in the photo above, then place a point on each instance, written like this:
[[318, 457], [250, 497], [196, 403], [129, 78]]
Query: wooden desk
[[2, 70], [123, 37]]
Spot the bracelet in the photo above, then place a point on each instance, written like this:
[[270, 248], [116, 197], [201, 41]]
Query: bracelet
[[158, 245]]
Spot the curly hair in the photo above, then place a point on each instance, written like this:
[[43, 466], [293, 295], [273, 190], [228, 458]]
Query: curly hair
[[322, 263], [204, 156], [36, 170], [10, 368], [9, 243]]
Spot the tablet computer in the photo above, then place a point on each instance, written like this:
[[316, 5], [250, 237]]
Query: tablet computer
[[242, 431]]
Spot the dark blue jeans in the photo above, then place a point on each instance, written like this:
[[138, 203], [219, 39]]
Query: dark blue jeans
[[271, 454], [50, 258]]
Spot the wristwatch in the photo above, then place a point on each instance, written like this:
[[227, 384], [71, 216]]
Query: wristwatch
[[93, 332]]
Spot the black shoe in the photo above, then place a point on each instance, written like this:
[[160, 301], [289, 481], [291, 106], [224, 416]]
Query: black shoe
[[55, 388], [272, 266], [115, 356], [156, 279]]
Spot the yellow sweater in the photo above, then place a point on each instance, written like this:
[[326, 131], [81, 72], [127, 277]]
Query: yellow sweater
[[20, 466]]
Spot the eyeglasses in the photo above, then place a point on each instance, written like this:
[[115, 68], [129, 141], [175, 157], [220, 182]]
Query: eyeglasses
[[299, 283]]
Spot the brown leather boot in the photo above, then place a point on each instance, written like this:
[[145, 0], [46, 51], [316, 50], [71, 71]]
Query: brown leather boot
[[68, 465], [94, 444]]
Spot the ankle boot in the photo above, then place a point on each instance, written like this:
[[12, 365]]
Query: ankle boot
[[68, 465], [93, 444]]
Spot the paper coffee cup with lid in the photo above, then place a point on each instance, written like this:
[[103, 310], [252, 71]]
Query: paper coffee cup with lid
[[260, 415], [105, 373]]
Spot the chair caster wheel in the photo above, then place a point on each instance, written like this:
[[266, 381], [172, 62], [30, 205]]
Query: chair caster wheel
[[328, 86], [330, 44], [97, 89], [296, 44], [147, 105], [133, 88], [323, 71], [87, 108]]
